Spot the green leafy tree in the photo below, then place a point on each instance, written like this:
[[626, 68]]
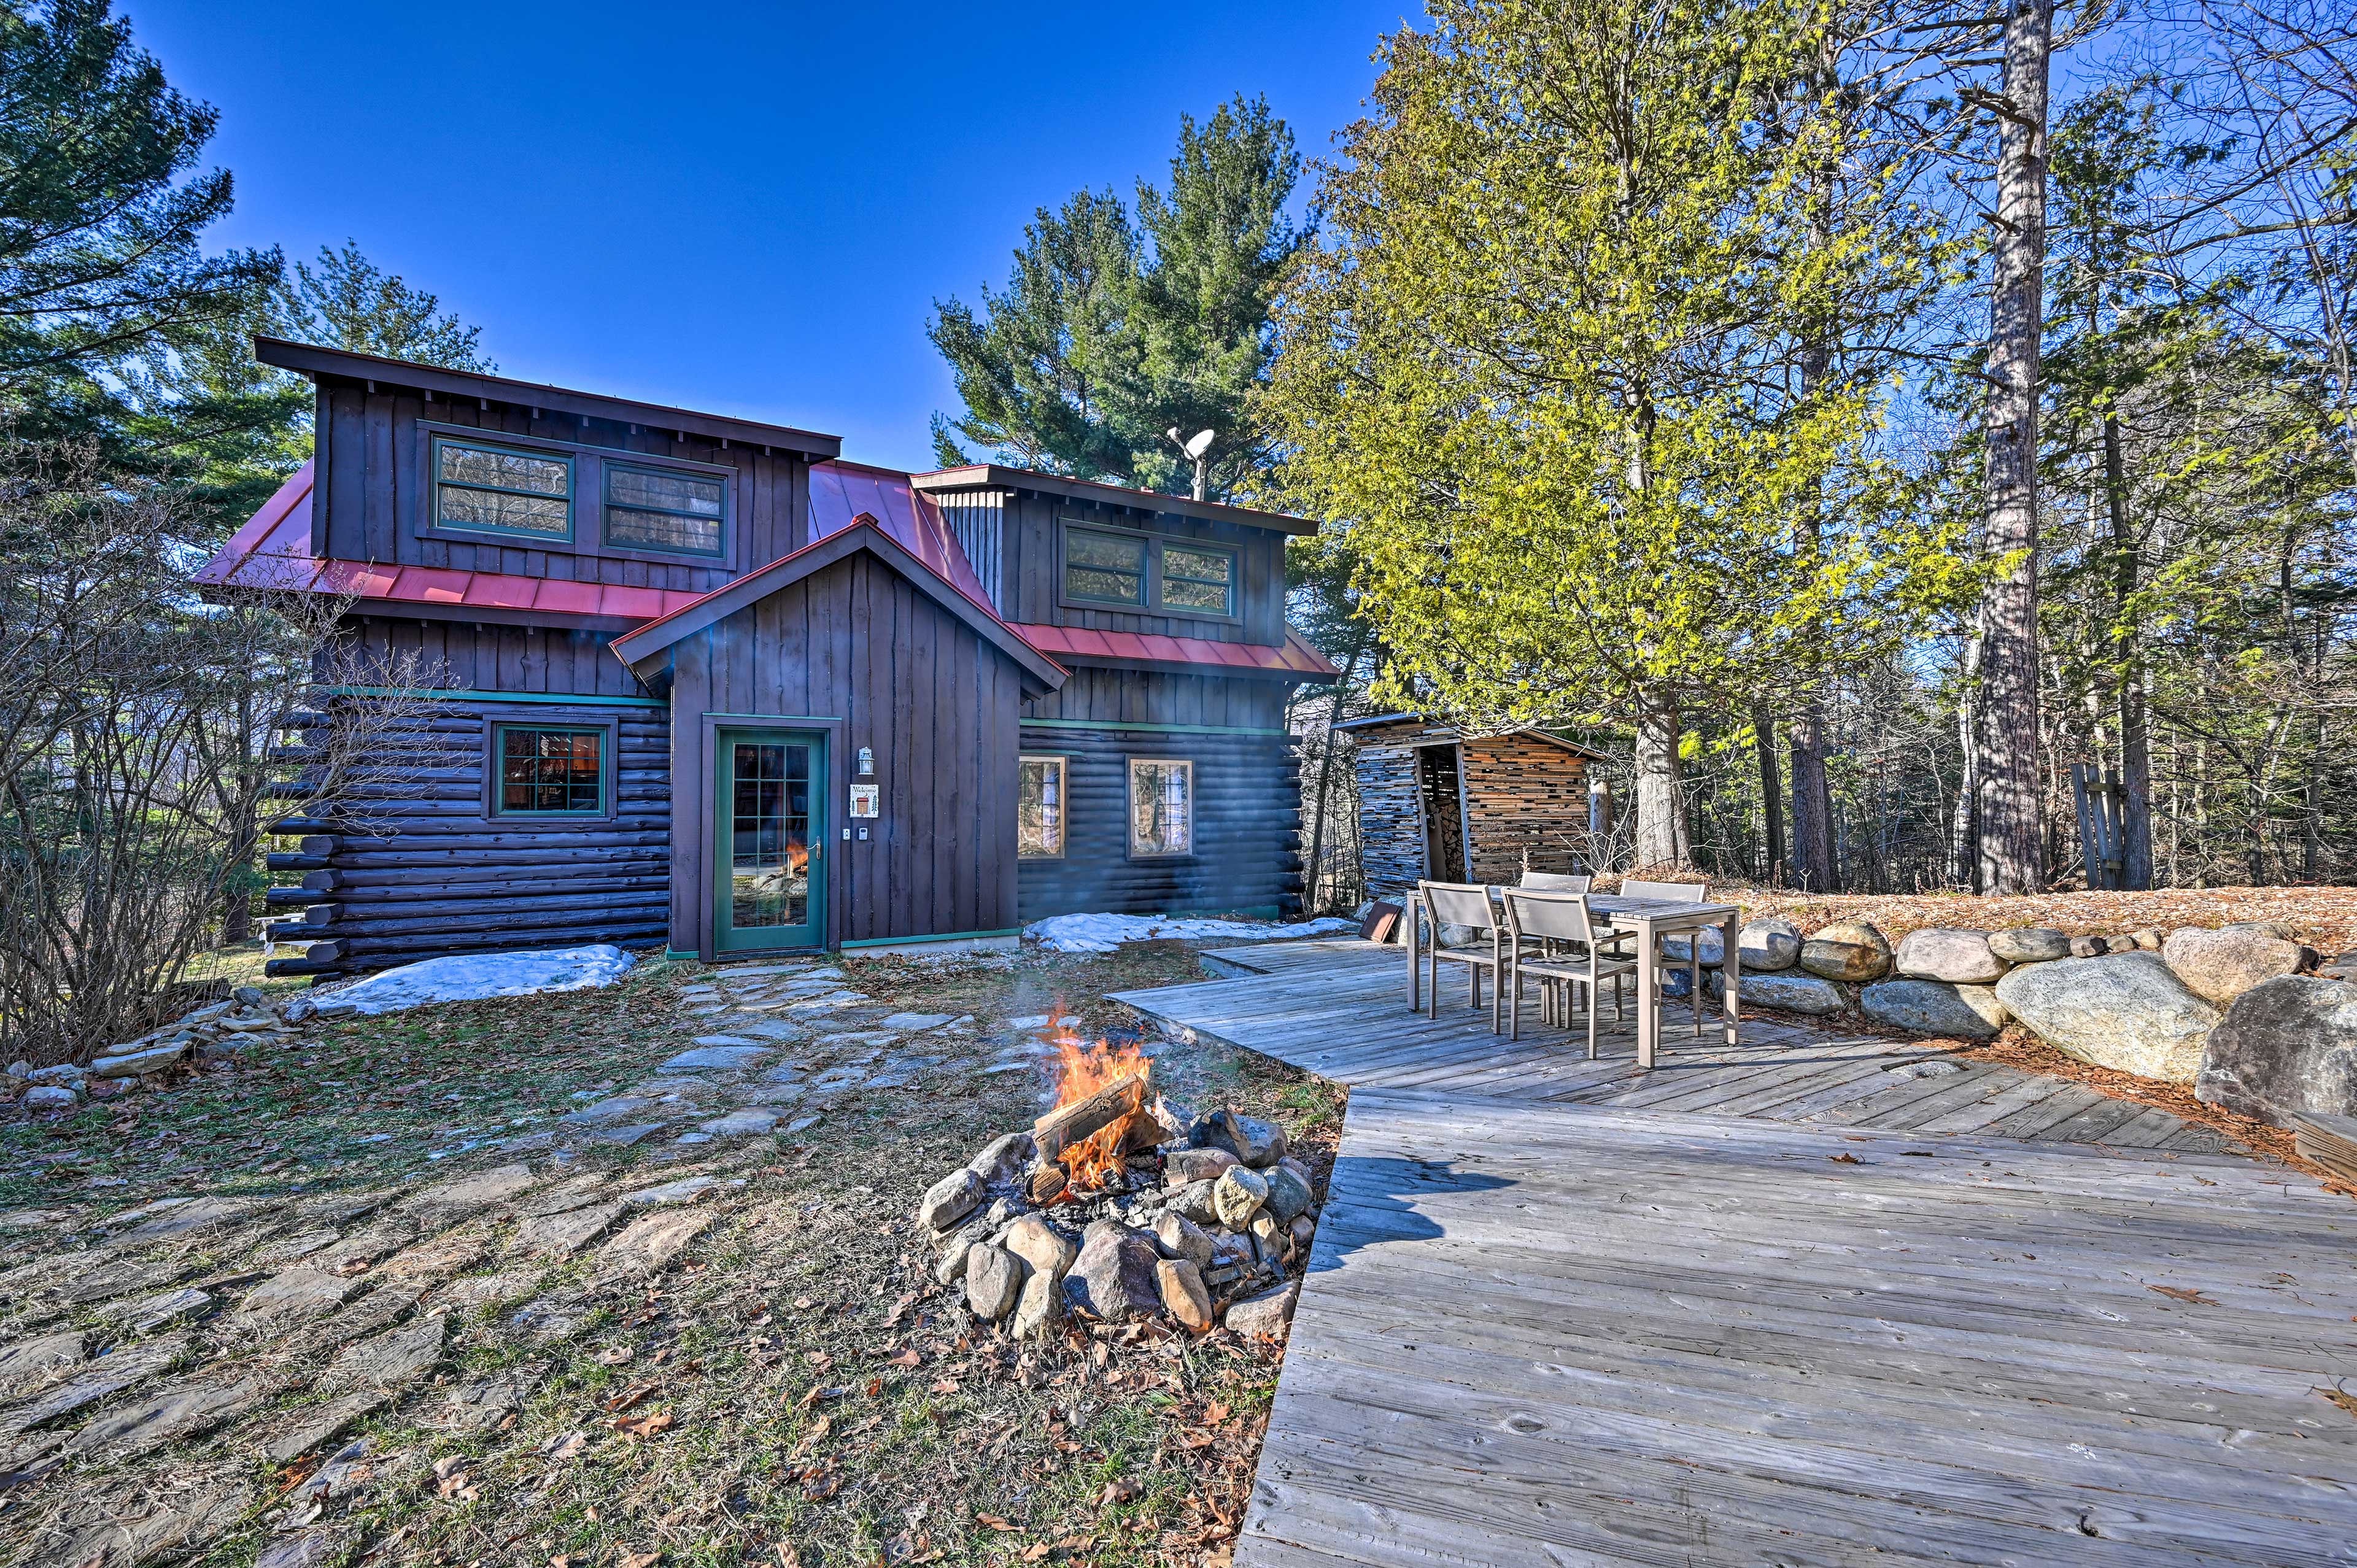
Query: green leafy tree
[[1113, 329], [1544, 368]]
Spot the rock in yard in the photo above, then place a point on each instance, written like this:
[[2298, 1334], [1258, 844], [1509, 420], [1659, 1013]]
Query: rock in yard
[[2129, 1012], [1935, 1007], [1676, 949], [1303, 1231], [950, 1200], [28, 1360], [1769, 944], [1958, 956], [65, 1073], [1196, 1165], [168, 1415], [2030, 944], [1195, 1201], [2219, 966], [606, 1111], [1039, 1308], [298, 1295], [1792, 992], [1183, 1296], [750, 1121], [50, 1097], [1113, 1278], [312, 1425], [717, 1058], [556, 1236], [467, 1195], [1179, 1237], [1849, 949], [1266, 1314], [648, 1243], [395, 1356], [1253, 1142], [2341, 968], [1238, 1195], [1289, 1193], [687, 1189], [994, 1281], [150, 1312], [1039, 1244], [2285, 1045], [137, 1062], [1004, 1158]]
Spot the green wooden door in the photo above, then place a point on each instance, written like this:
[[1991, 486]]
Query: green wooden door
[[771, 857]]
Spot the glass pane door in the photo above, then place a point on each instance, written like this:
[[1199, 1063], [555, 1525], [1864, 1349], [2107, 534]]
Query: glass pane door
[[773, 884]]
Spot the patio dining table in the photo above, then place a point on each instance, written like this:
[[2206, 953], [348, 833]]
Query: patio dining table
[[1647, 919]]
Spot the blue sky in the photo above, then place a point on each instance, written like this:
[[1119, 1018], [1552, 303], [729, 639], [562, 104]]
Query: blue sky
[[743, 209]]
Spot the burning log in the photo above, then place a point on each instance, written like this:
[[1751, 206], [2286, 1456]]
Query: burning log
[[1086, 1117]]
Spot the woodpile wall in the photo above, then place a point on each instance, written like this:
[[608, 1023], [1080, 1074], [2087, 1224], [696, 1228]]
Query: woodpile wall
[[1391, 824], [1526, 799]]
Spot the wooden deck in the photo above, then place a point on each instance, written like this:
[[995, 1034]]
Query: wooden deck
[[1557, 1314]]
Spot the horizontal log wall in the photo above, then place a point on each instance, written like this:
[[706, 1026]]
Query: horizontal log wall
[[1247, 826], [416, 866]]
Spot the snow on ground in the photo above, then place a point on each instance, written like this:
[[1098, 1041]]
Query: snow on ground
[[469, 976], [1103, 933]]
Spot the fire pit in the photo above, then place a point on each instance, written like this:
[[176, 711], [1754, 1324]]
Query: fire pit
[[1120, 1206]]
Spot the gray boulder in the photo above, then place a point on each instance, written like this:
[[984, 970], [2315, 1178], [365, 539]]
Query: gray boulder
[[2127, 1013], [1263, 1314], [1182, 1165], [1289, 1193], [1114, 1278], [1768, 945], [1792, 993], [2287, 1044], [950, 1200], [1183, 1296], [1958, 956], [1251, 1141], [1849, 949], [50, 1097], [2030, 944], [1238, 1195], [994, 1278], [1935, 1007], [1677, 948], [1039, 1244], [1004, 1159], [1179, 1237], [2219, 966], [1039, 1308], [1195, 1201], [2341, 968]]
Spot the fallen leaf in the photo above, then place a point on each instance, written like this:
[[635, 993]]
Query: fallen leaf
[[908, 1358], [566, 1446], [1215, 1413], [815, 1436], [992, 1521], [945, 1385], [1845, 1159], [640, 1559], [1036, 1551], [644, 1426], [1119, 1490], [787, 1556], [2179, 1293], [2346, 1402], [634, 1394], [615, 1355]]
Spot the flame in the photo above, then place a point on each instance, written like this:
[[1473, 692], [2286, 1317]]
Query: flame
[[1082, 1070], [797, 859]]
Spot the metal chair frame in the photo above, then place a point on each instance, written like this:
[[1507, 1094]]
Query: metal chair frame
[[1571, 954]]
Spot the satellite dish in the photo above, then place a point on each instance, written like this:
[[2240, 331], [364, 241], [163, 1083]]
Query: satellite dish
[[1195, 448]]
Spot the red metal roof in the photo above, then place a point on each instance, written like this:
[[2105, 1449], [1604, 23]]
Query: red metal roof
[[273, 550], [1295, 658]]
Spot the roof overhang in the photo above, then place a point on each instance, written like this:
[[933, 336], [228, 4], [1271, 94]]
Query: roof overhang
[[312, 360], [994, 476], [643, 648]]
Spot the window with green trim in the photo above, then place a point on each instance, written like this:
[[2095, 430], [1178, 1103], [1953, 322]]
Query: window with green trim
[[550, 771], [1108, 568], [1199, 579], [1040, 808], [501, 489], [665, 508]]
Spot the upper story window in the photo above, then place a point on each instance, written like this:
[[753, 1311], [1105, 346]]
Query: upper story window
[[501, 489], [1144, 571], [1104, 568], [662, 509]]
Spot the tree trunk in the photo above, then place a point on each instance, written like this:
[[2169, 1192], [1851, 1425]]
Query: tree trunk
[[1662, 841], [1963, 830], [1771, 794], [1813, 802], [2012, 858], [1326, 773], [2127, 653]]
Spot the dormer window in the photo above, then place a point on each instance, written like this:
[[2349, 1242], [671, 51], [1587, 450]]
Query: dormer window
[[482, 488], [1148, 572], [663, 509]]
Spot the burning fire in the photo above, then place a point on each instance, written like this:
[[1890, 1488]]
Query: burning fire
[[1083, 1071]]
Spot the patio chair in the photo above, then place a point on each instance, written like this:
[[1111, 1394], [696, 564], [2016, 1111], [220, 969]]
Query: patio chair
[[1464, 903], [1679, 893], [1571, 954]]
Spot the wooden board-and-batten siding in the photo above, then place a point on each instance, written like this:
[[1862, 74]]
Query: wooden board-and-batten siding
[[1031, 569], [373, 498], [1247, 797], [856, 652]]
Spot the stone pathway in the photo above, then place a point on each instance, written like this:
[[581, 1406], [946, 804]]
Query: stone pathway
[[145, 1373]]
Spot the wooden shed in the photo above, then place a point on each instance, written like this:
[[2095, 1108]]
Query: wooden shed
[[1436, 803]]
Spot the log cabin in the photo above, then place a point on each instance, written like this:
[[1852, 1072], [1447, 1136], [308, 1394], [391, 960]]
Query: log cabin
[[704, 681], [1439, 804]]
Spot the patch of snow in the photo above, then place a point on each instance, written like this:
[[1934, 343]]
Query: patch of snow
[[468, 977], [1103, 933]]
